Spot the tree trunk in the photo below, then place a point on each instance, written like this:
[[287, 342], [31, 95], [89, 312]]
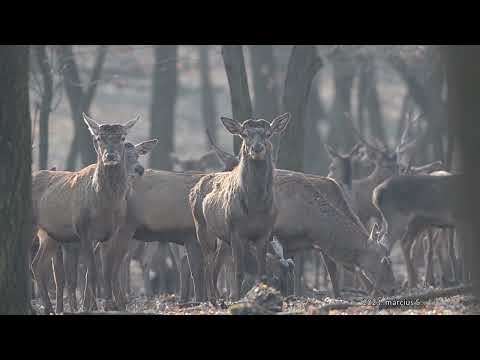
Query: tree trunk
[[341, 136], [238, 83], [373, 104], [266, 104], [46, 102], [209, 110], [463, 77], [302, 67], [315, 159], [80, 98], [162, 110], [15, 181]]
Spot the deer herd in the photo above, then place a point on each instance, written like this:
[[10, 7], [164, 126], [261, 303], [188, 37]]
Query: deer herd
[[239, 214]]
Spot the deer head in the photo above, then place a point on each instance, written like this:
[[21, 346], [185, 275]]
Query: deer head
[[109, 140], [256, 134], [132, 154]]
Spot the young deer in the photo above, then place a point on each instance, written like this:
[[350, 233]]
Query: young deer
[[239, 206], [86, 206]]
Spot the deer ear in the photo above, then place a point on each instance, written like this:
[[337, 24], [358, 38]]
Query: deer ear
[[279, 124], [145, 147], [92, 125], [232, 126], [129, 124]]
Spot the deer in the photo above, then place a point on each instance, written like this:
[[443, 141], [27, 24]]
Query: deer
[[411, 203], [208, 161], [239, 206], [298, 232], [86, 206]]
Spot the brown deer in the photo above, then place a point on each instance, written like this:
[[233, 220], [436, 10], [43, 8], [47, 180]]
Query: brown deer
[[411, 203], [239, 206], [86, 206], [299, 232]]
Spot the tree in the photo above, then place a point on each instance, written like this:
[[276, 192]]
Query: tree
[[46, 99], [343, 74], [209, 111], [266, 93], [463, 79], [80, 97], [302, 67], [16, 180], [162, 109], [238, 83]]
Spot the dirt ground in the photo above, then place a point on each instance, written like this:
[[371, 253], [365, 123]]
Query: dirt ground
[[262, 300]]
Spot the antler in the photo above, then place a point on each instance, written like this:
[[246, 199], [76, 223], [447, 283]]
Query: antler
[[358, 135]]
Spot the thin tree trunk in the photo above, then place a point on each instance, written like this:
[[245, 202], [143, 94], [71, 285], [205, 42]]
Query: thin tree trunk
[[15, 181], [46, 102], [265, 88], [375, 116], [315, 159], [80, 99], [238, 83], [209, 110], [341, 136], [302, 67], [162, 110], [463, 76]]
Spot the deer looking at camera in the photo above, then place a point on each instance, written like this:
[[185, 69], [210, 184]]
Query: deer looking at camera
[[239, 206], [88, 205], [313, 214]]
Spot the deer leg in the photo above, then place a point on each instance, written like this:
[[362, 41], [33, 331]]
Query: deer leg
[[71, 255], [261, 252], [451, 255], [196, 264], [238, 252], [89, 295], [413, 230], [429, 278], [332, 273], [298, 285], [185, 279], [223, 252], [41, 266], [59, 277]]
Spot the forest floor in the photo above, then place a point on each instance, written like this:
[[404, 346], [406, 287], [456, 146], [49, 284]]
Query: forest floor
[[262, 300]]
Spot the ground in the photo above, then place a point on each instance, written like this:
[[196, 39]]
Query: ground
[[264, 300]]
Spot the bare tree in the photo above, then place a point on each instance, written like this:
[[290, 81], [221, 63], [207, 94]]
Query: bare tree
[[238, 83], [209, 110], [42, 60], [16, 180], [266, 104], [463, 78], [80, 97], [302, 67], [344, 73], [162, 109]]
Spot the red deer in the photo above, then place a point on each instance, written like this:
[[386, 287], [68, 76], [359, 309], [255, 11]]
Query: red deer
[[86, 206], [239, 206]]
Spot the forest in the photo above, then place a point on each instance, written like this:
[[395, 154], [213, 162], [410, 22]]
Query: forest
[[239, 179]]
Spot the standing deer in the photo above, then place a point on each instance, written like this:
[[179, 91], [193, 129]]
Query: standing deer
[[86, 206], [239, 206]]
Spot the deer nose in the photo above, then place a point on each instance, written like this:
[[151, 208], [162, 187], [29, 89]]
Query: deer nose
[[110, 157], [139, 169]]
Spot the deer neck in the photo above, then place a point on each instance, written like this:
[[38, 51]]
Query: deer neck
[[256, 180], [110, 182]]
